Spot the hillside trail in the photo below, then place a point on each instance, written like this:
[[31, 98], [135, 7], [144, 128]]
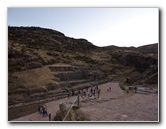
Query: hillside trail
[[110, 106]]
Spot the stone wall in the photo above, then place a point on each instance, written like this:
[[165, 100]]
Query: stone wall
[[61, 68], [70, 76]]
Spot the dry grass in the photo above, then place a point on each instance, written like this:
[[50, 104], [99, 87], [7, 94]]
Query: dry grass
[[100, 56], [43, 54], [38, 77]]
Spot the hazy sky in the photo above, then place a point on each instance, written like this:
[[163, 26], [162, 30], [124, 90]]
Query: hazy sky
[[101, 26]]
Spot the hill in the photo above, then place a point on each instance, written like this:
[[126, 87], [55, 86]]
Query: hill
[[45, 64]]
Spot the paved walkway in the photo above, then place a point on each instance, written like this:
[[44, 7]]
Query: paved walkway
[[110, 106], [53, 106]]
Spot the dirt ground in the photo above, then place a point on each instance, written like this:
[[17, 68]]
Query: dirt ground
[[111, 106]]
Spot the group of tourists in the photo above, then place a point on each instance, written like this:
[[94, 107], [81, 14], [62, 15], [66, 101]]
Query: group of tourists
[[94, 92], [43, 110], [90, 92]]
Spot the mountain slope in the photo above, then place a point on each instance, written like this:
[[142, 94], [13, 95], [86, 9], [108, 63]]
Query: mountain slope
[[33, 50]]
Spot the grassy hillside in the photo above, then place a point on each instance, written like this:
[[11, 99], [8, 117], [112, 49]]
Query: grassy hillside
[[32, 50]]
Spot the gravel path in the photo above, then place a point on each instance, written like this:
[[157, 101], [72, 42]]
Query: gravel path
[[110, 106]]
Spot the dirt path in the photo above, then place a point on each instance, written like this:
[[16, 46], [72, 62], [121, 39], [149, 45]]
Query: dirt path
[[118, 106], [110, 106]]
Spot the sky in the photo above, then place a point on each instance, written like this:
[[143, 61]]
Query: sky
[[100, 26]]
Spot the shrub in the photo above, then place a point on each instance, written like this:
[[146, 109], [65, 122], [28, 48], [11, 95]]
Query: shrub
[[74, 115]]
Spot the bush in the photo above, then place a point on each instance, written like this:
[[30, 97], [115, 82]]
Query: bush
[[74, 115]]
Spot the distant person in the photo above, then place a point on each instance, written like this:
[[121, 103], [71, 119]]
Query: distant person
[[110, 89], [40, 109], [49, 116], [91, 91], [94, 92], [45, 112], [127, 80], [72, 92], [84, 93]]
